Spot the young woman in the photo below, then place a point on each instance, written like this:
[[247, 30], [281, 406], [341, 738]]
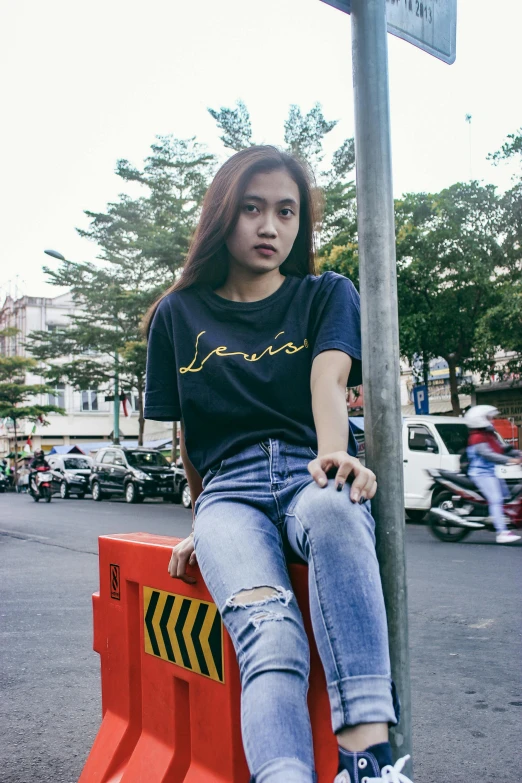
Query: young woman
[[253, 353]]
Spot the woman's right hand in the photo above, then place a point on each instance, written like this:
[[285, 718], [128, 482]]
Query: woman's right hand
[[183, 554]]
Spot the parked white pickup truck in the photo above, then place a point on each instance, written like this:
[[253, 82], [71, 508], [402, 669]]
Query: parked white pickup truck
[[433, 442]]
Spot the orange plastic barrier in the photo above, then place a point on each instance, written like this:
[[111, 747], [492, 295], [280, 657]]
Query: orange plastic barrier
[[170, 680]]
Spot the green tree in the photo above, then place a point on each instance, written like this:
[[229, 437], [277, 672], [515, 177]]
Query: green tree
[[143, 244], [156, 228], [102, 343], [88, 353], [451, 269], [501, 326], [304, 133], [511, 148], [338, 250], [304, 137], [236, 126], [16, 396]]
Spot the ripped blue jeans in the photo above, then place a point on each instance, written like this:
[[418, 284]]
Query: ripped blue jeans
[[254, 506]]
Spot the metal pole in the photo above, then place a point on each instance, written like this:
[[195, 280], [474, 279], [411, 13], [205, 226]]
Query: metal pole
[[116, 417], [380, 333]]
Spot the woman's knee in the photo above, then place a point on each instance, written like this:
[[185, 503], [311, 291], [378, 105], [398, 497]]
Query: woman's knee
[[268, 631], [325, 511]]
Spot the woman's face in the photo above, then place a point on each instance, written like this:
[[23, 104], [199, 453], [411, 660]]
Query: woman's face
[[267, 225]]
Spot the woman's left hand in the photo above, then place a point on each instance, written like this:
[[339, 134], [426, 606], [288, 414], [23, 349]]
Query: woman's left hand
[[364, 485]]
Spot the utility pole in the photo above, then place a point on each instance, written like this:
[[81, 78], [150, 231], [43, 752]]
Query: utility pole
[[116, 403], [380, 332], [468, 120]]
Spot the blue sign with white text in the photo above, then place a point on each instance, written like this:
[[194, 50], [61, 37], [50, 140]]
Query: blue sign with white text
[[421, 400]]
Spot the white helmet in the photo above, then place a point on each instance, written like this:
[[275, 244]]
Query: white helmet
[[481, 416]]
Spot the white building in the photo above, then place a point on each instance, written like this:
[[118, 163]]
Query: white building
[[89, 417]]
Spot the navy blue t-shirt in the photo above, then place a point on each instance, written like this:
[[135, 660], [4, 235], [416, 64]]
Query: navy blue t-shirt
[[238, 373]]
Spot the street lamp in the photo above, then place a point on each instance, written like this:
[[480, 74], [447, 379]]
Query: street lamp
[[55, 254], [116, 402]]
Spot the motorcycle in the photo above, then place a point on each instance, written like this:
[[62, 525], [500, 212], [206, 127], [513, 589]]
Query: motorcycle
[[458, 508], [40, 485]]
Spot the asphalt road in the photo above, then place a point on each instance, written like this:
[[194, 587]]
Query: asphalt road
[[465, 633]]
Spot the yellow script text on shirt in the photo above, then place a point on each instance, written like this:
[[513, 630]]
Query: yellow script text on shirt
[[222, 351]]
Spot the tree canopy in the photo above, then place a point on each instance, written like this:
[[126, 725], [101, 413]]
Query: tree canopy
[[236, 126], [143, 243], [458, 255], [17, 398], [450, 268], [501, 325]]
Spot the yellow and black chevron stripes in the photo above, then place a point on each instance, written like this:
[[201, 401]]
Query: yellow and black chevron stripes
[[184, 631]]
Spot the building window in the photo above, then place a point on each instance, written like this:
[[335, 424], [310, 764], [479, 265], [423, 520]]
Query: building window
[[9, 345], [57, 396], [89, 400]]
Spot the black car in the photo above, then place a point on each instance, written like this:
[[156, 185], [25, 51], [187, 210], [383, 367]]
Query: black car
[[70, 474], [181, 487], [134, 473]]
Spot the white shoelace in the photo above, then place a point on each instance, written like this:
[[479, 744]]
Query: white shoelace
[[389, 774]]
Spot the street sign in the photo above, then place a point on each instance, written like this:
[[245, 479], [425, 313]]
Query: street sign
[[430, 25], [421, 400]]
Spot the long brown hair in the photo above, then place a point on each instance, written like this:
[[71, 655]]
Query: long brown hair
[[207, 259]]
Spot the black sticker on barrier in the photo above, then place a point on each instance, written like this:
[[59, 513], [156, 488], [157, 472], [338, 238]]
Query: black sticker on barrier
[[115, 582]]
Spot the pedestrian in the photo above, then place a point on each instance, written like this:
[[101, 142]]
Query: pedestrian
[[484, 451], [253, 353]]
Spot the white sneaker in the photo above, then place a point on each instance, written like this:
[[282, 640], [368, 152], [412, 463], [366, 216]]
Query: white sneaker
[[507, 537], [389, 774]]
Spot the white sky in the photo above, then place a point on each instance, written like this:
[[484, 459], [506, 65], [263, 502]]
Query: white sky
[[86, 83]]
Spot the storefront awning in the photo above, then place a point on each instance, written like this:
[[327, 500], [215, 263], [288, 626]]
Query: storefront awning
[[439, 407]]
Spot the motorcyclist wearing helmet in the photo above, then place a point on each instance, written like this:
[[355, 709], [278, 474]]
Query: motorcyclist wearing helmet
[[38, 463], [485, 450], [39, 460]]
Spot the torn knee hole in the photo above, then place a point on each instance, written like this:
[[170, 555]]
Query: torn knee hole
[[259, 596], [261, 617]]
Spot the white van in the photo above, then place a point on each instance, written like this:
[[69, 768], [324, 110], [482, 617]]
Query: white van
[[434, 442]]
